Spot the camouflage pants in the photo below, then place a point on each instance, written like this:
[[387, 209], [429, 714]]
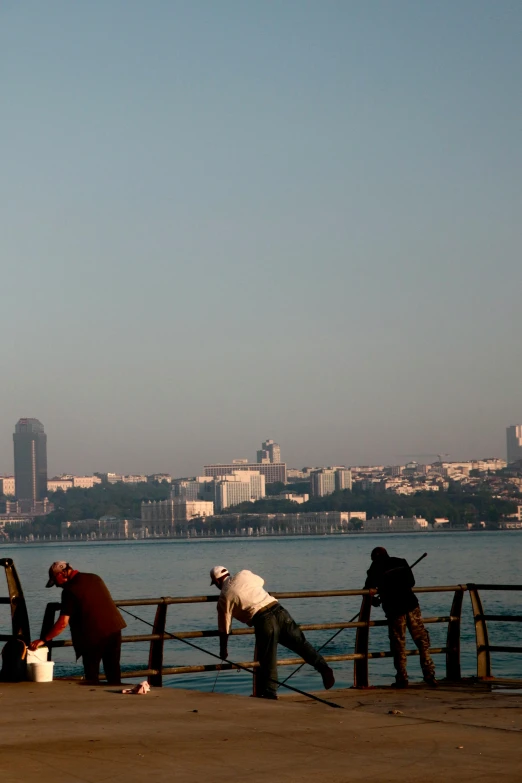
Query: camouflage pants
[[397, 632]]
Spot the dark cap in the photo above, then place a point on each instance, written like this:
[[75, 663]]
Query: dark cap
[[379, 552], [57, 567]]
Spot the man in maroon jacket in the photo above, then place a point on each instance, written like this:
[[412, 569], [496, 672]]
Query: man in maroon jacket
[[94, 619]]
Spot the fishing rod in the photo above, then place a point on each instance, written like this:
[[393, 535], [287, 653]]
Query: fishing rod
[[236, 665], [342, 629]]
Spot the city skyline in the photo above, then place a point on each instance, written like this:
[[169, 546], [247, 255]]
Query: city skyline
[[273, 472], [234, 220]]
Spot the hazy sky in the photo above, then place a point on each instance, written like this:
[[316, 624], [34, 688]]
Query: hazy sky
[[228, 221]]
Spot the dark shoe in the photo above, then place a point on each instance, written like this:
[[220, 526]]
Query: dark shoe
[[399, 684], [328, 678], [431, 682]]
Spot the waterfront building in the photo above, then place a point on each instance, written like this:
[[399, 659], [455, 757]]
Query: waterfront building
[[269, 453], [30, 460], [177, 510], [305, 522], [187, 510], [328, 480], [273, 472], [7, 485], [395, 525], [514, 443], [158, 511]]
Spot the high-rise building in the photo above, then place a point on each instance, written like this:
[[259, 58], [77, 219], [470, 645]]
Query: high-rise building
[[273, 473], [241, 487], [30, 460], [269, 452], [514, 443], [328, 480]]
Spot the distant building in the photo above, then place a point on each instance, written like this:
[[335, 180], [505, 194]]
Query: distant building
[[163, 515], [7, 486], [69, 482], [395, 525], [196, 488], [269, 452], [187, 510], [118, 478], [160, 477], [29, 508], [240, 487], [30, 460], [292, 496], [273, 472], [57, 484], [328, 480], [514, 443], [158, 511]]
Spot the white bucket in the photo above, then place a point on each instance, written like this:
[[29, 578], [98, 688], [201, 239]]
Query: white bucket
[[40, 672], [37, 656]]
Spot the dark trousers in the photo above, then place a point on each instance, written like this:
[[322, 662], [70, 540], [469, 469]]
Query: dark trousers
[[271, 627], [109, 651]]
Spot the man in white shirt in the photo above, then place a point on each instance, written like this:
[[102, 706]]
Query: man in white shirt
[[243, 597]]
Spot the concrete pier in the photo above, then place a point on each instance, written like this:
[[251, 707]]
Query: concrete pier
[[62, 732]]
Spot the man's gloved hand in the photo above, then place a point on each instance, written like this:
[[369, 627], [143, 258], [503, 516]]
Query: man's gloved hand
[[376, 601]]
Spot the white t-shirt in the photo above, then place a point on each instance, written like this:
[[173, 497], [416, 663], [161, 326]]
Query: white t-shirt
[[242, 595]]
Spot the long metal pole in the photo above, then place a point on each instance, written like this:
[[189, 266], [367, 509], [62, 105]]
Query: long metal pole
[[342, 629], [237, 665]]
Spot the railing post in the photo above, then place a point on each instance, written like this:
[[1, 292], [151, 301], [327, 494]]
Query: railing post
[[453, 672], [360, 666], [481, 634], [156, 645], [19, 617]]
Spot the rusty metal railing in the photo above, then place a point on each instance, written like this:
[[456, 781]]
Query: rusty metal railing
[[16, 602], [484, 648], [361, 655]]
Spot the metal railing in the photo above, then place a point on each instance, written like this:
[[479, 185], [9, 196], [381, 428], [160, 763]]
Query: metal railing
[[484, 648], [361, 655]]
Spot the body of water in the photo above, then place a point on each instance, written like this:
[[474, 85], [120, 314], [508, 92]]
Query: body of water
[[181, 567]]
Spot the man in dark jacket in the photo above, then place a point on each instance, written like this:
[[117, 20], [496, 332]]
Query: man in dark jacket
[[392, 578], [95, 622]]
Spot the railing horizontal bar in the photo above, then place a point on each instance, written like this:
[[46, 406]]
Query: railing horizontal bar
[[195, 599], [149, 637], [213, 667], [496, 648], [498, 587], [503, 618], [4, 600], [388, 654]]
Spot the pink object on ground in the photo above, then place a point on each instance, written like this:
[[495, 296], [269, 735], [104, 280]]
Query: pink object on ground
[[141, 687]]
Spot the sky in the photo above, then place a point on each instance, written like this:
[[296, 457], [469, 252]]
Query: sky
[[226, 222]]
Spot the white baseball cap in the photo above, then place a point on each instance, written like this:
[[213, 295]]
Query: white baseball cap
[[217, 572]]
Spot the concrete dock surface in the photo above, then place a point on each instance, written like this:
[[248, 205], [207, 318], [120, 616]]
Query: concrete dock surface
[[67, 733]]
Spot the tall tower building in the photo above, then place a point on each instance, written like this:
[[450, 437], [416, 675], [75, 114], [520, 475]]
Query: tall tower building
[[30, 460], [269, 452], [514, 443]]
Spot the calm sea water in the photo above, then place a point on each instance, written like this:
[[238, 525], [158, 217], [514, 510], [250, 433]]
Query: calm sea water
[[180, 568]]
